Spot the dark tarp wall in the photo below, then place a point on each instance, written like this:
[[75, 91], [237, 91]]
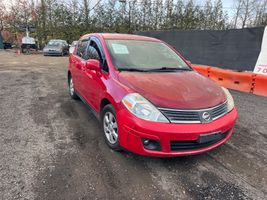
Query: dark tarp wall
[[236, 49], [1, 42]]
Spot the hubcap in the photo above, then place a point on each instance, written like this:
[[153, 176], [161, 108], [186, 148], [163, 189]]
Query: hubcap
[[110, 127], [71, 87]]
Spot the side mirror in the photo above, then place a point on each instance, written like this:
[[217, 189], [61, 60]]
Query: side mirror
[[93, 64], [189, 62]]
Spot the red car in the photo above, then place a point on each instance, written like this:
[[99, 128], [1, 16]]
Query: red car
[[147, 97]]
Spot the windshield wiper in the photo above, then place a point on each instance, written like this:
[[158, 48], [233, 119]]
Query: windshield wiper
[[132, 70], [154, 69], [170, 69]]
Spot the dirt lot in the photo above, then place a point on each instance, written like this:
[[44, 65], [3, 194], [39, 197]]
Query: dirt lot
[[51, 147]]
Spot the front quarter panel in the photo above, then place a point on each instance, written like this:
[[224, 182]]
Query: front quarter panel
[[114, 92]]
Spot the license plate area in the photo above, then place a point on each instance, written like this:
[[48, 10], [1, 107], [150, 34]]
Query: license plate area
[[205, 138]]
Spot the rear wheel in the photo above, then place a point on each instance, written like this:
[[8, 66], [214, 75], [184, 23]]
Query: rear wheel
[[71, 89], [110, 127]]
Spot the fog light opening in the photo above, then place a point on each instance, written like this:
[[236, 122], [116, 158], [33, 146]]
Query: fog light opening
[[151, 144], [146, 142]]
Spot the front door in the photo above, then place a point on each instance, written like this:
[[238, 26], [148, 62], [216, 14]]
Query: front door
[[93, 80]]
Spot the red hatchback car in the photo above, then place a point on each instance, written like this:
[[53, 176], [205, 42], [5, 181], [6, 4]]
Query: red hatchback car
[[147, 97]]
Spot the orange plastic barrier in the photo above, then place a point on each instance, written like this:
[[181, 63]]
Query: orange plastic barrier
[[202, 69], [260, 86], [242, 81]]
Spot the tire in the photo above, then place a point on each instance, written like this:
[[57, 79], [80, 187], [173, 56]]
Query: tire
[[72, 92], [109, 125]]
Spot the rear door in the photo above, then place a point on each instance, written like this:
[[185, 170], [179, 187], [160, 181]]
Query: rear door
[[79, 65]]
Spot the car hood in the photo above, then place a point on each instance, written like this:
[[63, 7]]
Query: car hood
[[179, 90]]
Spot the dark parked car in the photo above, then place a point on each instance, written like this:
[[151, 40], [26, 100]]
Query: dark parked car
[[7, 45], [56, 47]]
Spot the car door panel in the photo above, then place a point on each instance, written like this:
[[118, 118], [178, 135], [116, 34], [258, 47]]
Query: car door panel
[[79, 66], [75, 71], [93, 85]]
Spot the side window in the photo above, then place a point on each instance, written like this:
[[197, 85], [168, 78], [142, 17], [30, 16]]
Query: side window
[[81, 48], [93, 52], [78, 47]]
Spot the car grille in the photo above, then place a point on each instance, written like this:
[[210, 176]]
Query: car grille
[[195, 144], [194, 116]]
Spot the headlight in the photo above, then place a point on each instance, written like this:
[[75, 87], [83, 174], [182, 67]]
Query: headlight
[[230, 100], [142, 108]]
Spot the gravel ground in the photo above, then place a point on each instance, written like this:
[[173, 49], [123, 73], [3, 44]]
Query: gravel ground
[[51, 147]]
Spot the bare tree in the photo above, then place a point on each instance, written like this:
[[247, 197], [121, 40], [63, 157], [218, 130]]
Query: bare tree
[[86, 10], [238, 6], [70, 19], [261, 14], [2, 15], [249, 7], [245, 12]]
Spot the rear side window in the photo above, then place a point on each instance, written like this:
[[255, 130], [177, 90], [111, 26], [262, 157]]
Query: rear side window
[[81, 49]]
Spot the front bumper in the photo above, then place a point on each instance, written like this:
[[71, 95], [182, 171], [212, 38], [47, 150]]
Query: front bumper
[[132, 130]]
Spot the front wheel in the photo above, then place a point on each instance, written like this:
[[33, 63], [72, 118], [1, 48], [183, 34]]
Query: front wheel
[[110, 127]]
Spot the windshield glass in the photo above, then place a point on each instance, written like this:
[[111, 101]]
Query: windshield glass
[[54, 43], [74, 43], [143, 55]]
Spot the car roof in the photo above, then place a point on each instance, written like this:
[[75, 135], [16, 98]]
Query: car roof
[[119, 36]]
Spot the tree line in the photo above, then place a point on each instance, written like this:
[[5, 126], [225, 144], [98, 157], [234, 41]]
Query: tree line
[[72, 18]]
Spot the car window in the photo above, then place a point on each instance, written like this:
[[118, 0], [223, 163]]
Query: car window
[[81, 49], [54, 43], [74, 43], [96, 52], [92, 53]]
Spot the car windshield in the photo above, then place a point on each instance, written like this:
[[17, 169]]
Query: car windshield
[[74, 43], [144, 55], [55, 43]]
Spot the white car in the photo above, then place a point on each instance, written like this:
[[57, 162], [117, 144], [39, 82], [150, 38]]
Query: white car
[[27, 44], [72, 46]]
